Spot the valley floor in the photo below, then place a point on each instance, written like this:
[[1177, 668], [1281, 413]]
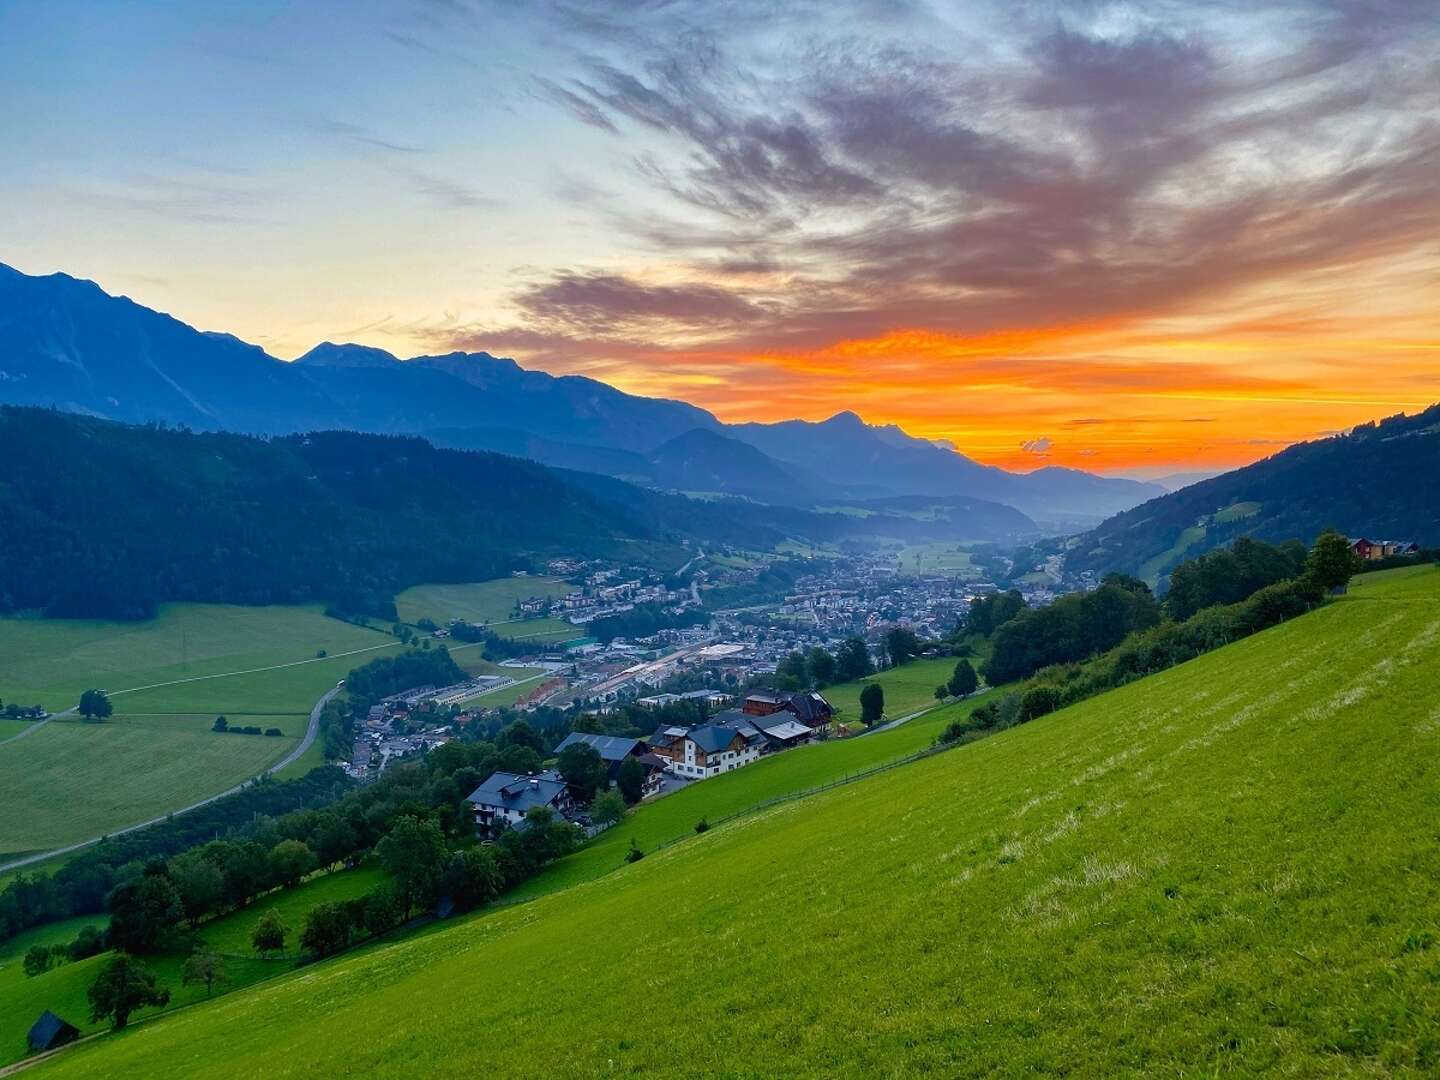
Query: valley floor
[[1229, 867]]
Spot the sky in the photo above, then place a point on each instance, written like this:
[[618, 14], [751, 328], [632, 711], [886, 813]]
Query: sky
[[1134, 238]]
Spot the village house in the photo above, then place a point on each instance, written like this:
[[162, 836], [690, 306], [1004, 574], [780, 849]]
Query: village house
[[709, 749], [1371, 550], [809, 707], [613, 749], [782, 730], [504, 799]]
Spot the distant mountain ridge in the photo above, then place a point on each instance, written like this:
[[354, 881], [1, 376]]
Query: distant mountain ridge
[[68, 344], [1382, 480]]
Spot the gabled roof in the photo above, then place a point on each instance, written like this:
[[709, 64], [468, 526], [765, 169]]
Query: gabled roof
[[810, 707], [787, 729], [609, 747], [511, 791], [50, 1030], [774, 697]]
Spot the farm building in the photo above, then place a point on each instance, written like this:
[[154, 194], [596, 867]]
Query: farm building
[[50, 1032]]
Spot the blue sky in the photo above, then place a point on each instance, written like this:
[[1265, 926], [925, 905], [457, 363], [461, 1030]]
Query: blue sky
[[1117, 235]]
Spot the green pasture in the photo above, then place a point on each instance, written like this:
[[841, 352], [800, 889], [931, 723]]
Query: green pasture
[[476, 601], [907, 688]]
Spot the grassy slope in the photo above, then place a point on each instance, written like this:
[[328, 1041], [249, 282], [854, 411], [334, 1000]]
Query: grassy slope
[[805, 767], [73, 780], [1232, 866], [63, 989], [907, 688]]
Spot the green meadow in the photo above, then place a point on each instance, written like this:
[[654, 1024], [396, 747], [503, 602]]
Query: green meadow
[[169, 678], [936, 557], [72, 780], [63, 988], [907, 688], [1228, 868], [50, 661], [477, 601]]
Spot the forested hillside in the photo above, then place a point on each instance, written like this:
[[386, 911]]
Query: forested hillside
[[100, 519], [1382, 480]]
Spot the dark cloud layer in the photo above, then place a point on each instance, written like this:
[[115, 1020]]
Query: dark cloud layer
[[887, 167]]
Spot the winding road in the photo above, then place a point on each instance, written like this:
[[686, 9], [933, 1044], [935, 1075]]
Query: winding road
[[312, 731]]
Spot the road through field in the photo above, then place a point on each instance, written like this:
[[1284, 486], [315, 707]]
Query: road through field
[[312, 730]]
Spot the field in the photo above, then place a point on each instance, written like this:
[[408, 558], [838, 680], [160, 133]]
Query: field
[[907, 688], [526, 680], [1231, 867], [169, 677], [479, 601], [936, 557], [73, 780], [50, 661]]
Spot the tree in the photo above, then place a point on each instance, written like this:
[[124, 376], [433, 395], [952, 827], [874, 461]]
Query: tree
[[607, 808], [583, 769], [1331, 562], [269, 933], [631, 780], [142, 913], [964, 680], [123, 986], [634, 855], [792, 672], [472, 877], [204, 966], [382, 911], [37, 960], [413, 854], [290, 860], [821, 668], [521, 734], [221, 724], [901, 645], [95, 705], [872, 704], [246, 870], [327, 929], [1038, 701], [852, 660], [199, 884], [941, 692]]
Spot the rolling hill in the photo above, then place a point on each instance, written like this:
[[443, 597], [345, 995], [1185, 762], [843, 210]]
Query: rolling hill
[[1381, 480], [67, 344], [1227, 867]]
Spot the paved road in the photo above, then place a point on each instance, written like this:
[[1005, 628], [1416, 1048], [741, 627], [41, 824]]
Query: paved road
[[312, 730]]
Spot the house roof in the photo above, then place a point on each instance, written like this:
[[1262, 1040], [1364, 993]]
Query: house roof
[[45, 1030], [810, 707], [511, 791], [781, 725], [774, 697], [712, 737], [609, 747]]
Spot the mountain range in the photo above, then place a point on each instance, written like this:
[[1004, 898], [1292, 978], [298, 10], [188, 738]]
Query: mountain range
[[68, 344], [1381, 480]]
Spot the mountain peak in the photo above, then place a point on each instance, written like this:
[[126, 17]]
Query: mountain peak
[[846, 419], [329, 354]]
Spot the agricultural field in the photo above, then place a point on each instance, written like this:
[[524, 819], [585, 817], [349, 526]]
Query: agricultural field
[[50, 661], [1230, 867], [169, 678], [936, 557], [478, 601], [72, 780], [907, 688]]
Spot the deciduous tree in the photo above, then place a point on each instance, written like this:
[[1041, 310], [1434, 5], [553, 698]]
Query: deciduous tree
[[123, 986]]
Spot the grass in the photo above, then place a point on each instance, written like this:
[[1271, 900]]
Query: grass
[[478, 601], [72, 780], [50, 661], [1151, 568], [1230, 867], [800, 769], [935, 557], [63, 989], [1236, 512], [525, 682], [907, 688], [10, 728]]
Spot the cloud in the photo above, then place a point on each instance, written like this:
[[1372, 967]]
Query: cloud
[[357, 134], [1040, 446]]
